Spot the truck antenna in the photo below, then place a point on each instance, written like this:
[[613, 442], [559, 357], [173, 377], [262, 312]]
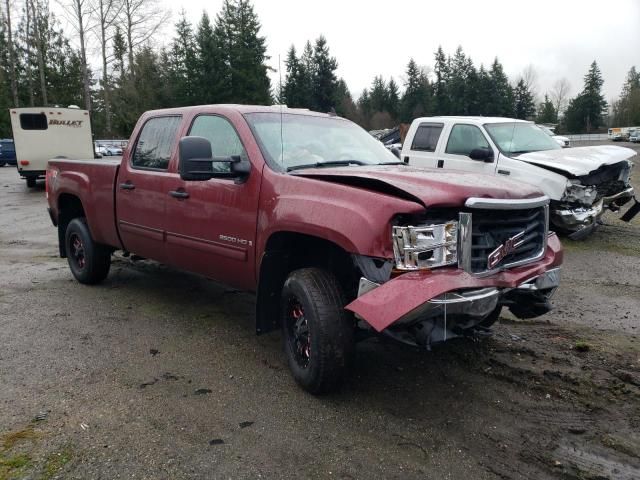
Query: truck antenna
[[280, 101]]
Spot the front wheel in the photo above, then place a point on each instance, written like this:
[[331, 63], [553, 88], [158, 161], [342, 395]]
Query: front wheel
[[318, 332], [89, 261]]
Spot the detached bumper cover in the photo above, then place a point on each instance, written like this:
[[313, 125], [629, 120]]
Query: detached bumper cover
[[399, 297]]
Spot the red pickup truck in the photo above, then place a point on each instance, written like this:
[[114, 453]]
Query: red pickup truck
[[338, 239]]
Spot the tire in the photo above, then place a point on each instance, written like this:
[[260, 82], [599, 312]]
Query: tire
[[89, 261], [2, 163], [492, 318], [31, 182], [318, 333]]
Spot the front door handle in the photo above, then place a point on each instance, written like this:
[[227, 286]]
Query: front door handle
[[179, 194], [127, 186], [440, 164]]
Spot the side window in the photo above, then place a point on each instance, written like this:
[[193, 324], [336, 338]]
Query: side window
[[225, 142], [33, 121], [426, 137], [153, 149], [464, 138]]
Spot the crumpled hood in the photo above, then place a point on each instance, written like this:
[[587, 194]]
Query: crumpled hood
[[579, 160], [431, 187]]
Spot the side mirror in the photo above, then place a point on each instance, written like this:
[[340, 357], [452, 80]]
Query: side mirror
[[195, 159], [197, 163], [482, 155]]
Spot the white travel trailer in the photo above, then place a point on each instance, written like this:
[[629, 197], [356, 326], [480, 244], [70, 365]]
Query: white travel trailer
[[42, 133]]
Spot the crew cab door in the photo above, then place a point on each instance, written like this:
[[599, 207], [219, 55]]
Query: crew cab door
[[211, 225], [141, 188], [462, 139]]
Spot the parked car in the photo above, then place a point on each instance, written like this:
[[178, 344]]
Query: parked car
[[338, 238], [581, 182], [634, 136], [564, 142], [42, 133], [109, 150], [7, 152]]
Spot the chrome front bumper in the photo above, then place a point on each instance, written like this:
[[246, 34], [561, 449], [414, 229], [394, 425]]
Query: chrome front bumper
[[453, 313], [619, 199]]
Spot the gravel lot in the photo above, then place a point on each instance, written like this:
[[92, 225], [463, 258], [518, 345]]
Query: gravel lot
[[158, 374]]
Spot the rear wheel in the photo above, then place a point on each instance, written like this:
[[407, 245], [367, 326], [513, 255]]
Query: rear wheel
[[317, 331], [89, 261], [31, 182]]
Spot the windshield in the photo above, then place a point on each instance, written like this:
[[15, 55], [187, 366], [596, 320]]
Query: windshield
[[520, 137], [294, 140]]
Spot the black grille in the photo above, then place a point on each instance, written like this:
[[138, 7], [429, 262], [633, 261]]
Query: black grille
[[491, 228]]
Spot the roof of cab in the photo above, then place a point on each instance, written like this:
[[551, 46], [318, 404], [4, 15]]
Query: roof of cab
[[470, 119], [242, 109]]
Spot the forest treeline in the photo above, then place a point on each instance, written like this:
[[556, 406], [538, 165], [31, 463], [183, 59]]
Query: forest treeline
[[114, 68]]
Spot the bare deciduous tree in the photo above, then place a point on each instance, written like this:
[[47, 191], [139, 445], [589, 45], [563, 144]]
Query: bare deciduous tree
[[12, 57], [530, 78], [78, 13], [142, 18], [106, 14], [560, 94], [27, 43], [39, 42]]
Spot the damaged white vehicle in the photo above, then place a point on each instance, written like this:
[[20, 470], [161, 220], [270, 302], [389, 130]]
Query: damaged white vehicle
[[581, 182]]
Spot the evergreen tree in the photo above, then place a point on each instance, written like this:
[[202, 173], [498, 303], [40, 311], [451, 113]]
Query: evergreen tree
[[416, 99], [364, 106], [183, 64], [393, 99], [296, 92], [626, 111], [523, 101], [378, 95], [345, 106], [325, 82], [547, 112], [500, 92], [212, 75], [441, 104], [586, 111]]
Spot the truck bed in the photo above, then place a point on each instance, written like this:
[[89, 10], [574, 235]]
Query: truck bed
[[93, 182]]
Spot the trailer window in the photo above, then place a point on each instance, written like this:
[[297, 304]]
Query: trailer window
[[33, 121], [154, 146]]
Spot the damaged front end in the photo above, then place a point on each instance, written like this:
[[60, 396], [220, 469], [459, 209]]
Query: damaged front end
[[459, 274], [586, 198]]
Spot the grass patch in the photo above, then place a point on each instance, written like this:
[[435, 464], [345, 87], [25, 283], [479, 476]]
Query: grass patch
[[10, 466], [582, 346], [12, 438], [56, 462]]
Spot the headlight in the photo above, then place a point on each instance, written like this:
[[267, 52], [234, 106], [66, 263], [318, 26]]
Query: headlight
[[575, 192], [425, 246]]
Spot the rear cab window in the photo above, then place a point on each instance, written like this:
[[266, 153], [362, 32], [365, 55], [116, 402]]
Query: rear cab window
[[426, 137], [155, 143]]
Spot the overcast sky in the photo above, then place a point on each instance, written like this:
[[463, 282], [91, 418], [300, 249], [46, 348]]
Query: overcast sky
[[370, 37], [559, 38]]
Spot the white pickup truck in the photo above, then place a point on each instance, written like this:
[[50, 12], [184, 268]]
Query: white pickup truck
[[581, 182]]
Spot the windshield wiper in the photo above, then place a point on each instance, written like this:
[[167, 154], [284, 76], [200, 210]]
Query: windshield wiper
[[520, 152], [333, 163], [390, 163]]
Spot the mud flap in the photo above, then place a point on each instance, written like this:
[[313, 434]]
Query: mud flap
[[632, 212]]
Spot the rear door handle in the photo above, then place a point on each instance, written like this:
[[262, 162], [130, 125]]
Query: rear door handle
[[127, 186], [179, 194]]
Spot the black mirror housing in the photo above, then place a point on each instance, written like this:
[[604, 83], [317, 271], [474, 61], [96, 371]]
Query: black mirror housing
[[197, 163], [482, 155], [195, 159]]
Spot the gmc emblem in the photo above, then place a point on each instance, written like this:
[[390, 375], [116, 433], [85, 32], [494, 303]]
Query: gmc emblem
[[505, 249]]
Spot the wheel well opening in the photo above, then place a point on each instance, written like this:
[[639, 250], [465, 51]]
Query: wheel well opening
[[69, 207], [289, 251]]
